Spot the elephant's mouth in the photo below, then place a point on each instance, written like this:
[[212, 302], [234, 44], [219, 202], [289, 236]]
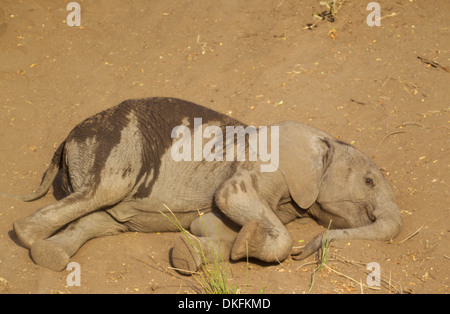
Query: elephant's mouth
[[369, 211], [323, 216], [343, 214]]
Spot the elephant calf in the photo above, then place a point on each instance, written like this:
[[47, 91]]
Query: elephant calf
[[119, 170]]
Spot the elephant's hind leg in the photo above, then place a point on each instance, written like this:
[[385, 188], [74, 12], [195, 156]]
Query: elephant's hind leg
[[55, 252], [47, 220], [44, 222], [212, 240]]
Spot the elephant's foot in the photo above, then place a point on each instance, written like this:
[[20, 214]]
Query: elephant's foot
[[185, 257], [49, 254], [248, 240], [30, 229]]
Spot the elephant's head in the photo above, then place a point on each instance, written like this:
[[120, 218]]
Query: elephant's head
[[335, 181]]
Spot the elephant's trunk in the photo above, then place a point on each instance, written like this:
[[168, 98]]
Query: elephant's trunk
[[386, 226]]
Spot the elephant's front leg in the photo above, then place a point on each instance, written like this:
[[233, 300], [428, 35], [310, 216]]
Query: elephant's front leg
[[55, 252], [263, 235], [213, 237]]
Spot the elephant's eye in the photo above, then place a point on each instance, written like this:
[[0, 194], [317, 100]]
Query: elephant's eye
[[369, 182]]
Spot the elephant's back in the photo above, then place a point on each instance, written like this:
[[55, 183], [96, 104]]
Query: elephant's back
[[159, 113]]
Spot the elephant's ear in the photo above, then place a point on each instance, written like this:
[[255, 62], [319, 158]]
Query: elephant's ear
[[305, 153]]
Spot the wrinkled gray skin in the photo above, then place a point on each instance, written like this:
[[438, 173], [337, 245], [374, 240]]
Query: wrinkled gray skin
[[118, 173]]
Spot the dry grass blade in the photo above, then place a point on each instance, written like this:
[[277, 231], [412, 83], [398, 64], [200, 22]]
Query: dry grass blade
[[411, 235], [350, 278], [433, 64], [382, 140], [389, 284]]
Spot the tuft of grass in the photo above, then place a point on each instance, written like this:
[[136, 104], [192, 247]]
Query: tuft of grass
[[323, 256], [213, 279]]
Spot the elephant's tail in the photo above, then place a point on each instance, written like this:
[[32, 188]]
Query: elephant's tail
[[47, 178]]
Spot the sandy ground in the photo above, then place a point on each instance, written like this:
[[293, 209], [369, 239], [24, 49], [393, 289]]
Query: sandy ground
[[255, 61]]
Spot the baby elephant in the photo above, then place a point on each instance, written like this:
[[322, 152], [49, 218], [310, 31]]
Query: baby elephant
[[134, 166]]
